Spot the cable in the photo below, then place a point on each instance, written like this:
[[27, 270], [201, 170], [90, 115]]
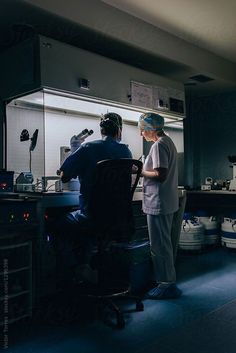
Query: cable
[[30, 161], [50, 186]]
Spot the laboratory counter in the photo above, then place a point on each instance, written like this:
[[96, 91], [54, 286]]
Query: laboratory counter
[[213, 201], [35, 209], [18, 206]]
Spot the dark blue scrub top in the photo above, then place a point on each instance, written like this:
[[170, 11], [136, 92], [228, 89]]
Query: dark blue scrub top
[[83, 161]]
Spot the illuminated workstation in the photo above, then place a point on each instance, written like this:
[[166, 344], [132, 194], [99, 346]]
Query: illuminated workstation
[[47, 102]]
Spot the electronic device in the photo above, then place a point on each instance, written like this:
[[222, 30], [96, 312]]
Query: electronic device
[[25, 178], [17, 211], [232, 185], [83, 132], [6, 181], [24, 182], [75, 142], [208, 181], [45, 180], [206, 187], [88, 133], [208, 184]]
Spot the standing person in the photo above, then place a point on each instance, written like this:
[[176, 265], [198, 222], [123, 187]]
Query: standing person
[[160, 202], [82, 163]]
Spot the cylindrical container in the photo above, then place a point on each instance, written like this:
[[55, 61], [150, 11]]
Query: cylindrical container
[[210, 224], [72, 185], [228, 232], [58, 186], [192, 234]]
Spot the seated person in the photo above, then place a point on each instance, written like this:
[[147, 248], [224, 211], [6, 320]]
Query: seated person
[[72, 228]]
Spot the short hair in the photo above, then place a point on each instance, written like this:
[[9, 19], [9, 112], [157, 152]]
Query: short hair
[[111, 124]]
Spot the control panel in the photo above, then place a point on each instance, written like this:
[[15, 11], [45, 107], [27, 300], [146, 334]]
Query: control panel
[[17, 211]]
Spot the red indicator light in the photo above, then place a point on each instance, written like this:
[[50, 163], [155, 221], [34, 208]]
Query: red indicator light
[[26, 216]]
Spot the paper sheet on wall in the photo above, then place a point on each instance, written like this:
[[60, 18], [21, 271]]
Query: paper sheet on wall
[[160, 98], [175, 93], [141, 94]]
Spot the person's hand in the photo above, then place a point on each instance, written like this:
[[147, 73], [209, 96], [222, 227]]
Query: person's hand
[[134, 169]]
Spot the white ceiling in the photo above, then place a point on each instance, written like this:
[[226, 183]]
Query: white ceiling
[[209, 24]]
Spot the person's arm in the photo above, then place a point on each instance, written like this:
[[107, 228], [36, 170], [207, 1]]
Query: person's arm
[[159, 174], [73, 165], [159, 156]]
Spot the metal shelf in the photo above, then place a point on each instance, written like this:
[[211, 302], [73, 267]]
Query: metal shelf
[[14, 246], [16, 270], [10, 296], [22, 271], [15, 319]]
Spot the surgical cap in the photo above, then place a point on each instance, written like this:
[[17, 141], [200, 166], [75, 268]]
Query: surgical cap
[[151, 122]]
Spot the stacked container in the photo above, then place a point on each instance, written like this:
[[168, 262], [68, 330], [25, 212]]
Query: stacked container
[[192, 233], [228, 232], [211, 233]]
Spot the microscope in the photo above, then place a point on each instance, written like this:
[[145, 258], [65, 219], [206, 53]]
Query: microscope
[[232, 185], [75, 142]]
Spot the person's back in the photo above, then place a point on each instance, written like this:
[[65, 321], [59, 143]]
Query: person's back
[[82, 163]]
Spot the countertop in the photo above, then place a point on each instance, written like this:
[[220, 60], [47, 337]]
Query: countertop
[[209, 192]]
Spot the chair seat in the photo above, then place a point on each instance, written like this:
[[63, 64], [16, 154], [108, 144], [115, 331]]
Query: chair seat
[[105, 290]]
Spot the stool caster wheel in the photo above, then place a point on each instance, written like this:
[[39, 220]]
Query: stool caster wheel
[[120, 322], [139, 306]]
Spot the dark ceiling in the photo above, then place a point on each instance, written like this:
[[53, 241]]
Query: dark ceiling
[[19, 20]]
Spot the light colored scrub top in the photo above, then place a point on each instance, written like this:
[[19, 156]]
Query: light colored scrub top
[[161, 198]]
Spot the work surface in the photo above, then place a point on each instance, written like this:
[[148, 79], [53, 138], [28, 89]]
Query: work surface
[[211, 192], [214, 201]]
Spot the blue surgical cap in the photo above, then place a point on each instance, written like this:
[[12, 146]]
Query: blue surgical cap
[[151, 122]]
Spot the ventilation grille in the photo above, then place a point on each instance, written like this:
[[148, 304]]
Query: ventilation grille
[[201, 78], [188, 84]]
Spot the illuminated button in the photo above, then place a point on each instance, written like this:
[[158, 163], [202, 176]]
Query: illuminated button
[[26, 216]]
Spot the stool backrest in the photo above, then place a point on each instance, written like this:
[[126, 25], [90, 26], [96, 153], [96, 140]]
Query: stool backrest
[[110, 205]]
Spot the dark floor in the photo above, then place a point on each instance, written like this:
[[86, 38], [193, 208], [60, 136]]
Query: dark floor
[[202, 320]]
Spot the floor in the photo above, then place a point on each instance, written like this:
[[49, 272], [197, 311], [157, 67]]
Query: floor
[[202, 320]]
